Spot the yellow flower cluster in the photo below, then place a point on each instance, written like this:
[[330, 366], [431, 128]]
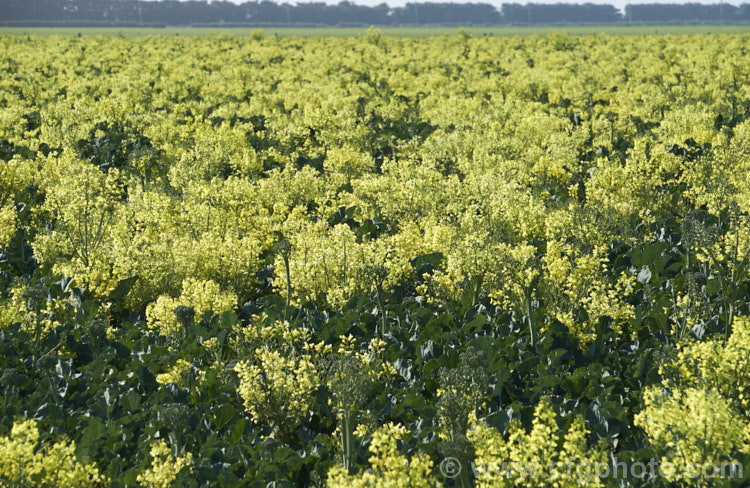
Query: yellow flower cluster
[[212, 345], [389, 468], [577, 277], [13, 177], [686, 313], [699, 415], [328, 263], [732, 247], [24, 463], [608, 299], [276, 388], [282, 336], [164, 466], [280, 372], [202, 296], [83, 201], [374, 366], [178, 374], [694, 430], [473, 177], [481, 161], [719, 180], [8, 224], [545, 456], [716, 364], [30, 305]]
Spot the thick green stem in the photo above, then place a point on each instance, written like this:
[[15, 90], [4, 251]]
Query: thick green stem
[[347, 440], [530, 317], [476, 290], [288, 284], [730, 319], [37, 339], [383, 316]]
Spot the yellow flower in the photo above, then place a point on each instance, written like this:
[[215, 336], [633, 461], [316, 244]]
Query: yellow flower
[[276, 389], [24, 463], [179, 374], [164, 466], [389, 468], [8, 223], [202, 296], [716, 364], [693, 430], [544, 456]]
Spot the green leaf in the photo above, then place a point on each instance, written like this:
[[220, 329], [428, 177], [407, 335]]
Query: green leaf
[[647, 254], [222, 415], [131, 401], [121, 290]]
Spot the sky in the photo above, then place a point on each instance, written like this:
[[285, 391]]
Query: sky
[[620, 4]]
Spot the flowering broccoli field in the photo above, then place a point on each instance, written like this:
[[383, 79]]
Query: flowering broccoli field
[[375, 262]]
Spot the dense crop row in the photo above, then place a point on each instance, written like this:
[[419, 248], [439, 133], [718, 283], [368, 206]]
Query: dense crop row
[[373, 262]]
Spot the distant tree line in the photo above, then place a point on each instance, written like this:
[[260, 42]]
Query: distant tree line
[[265, 12]]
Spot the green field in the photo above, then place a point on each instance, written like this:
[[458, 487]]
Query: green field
[[638, 30], [375, 262]]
